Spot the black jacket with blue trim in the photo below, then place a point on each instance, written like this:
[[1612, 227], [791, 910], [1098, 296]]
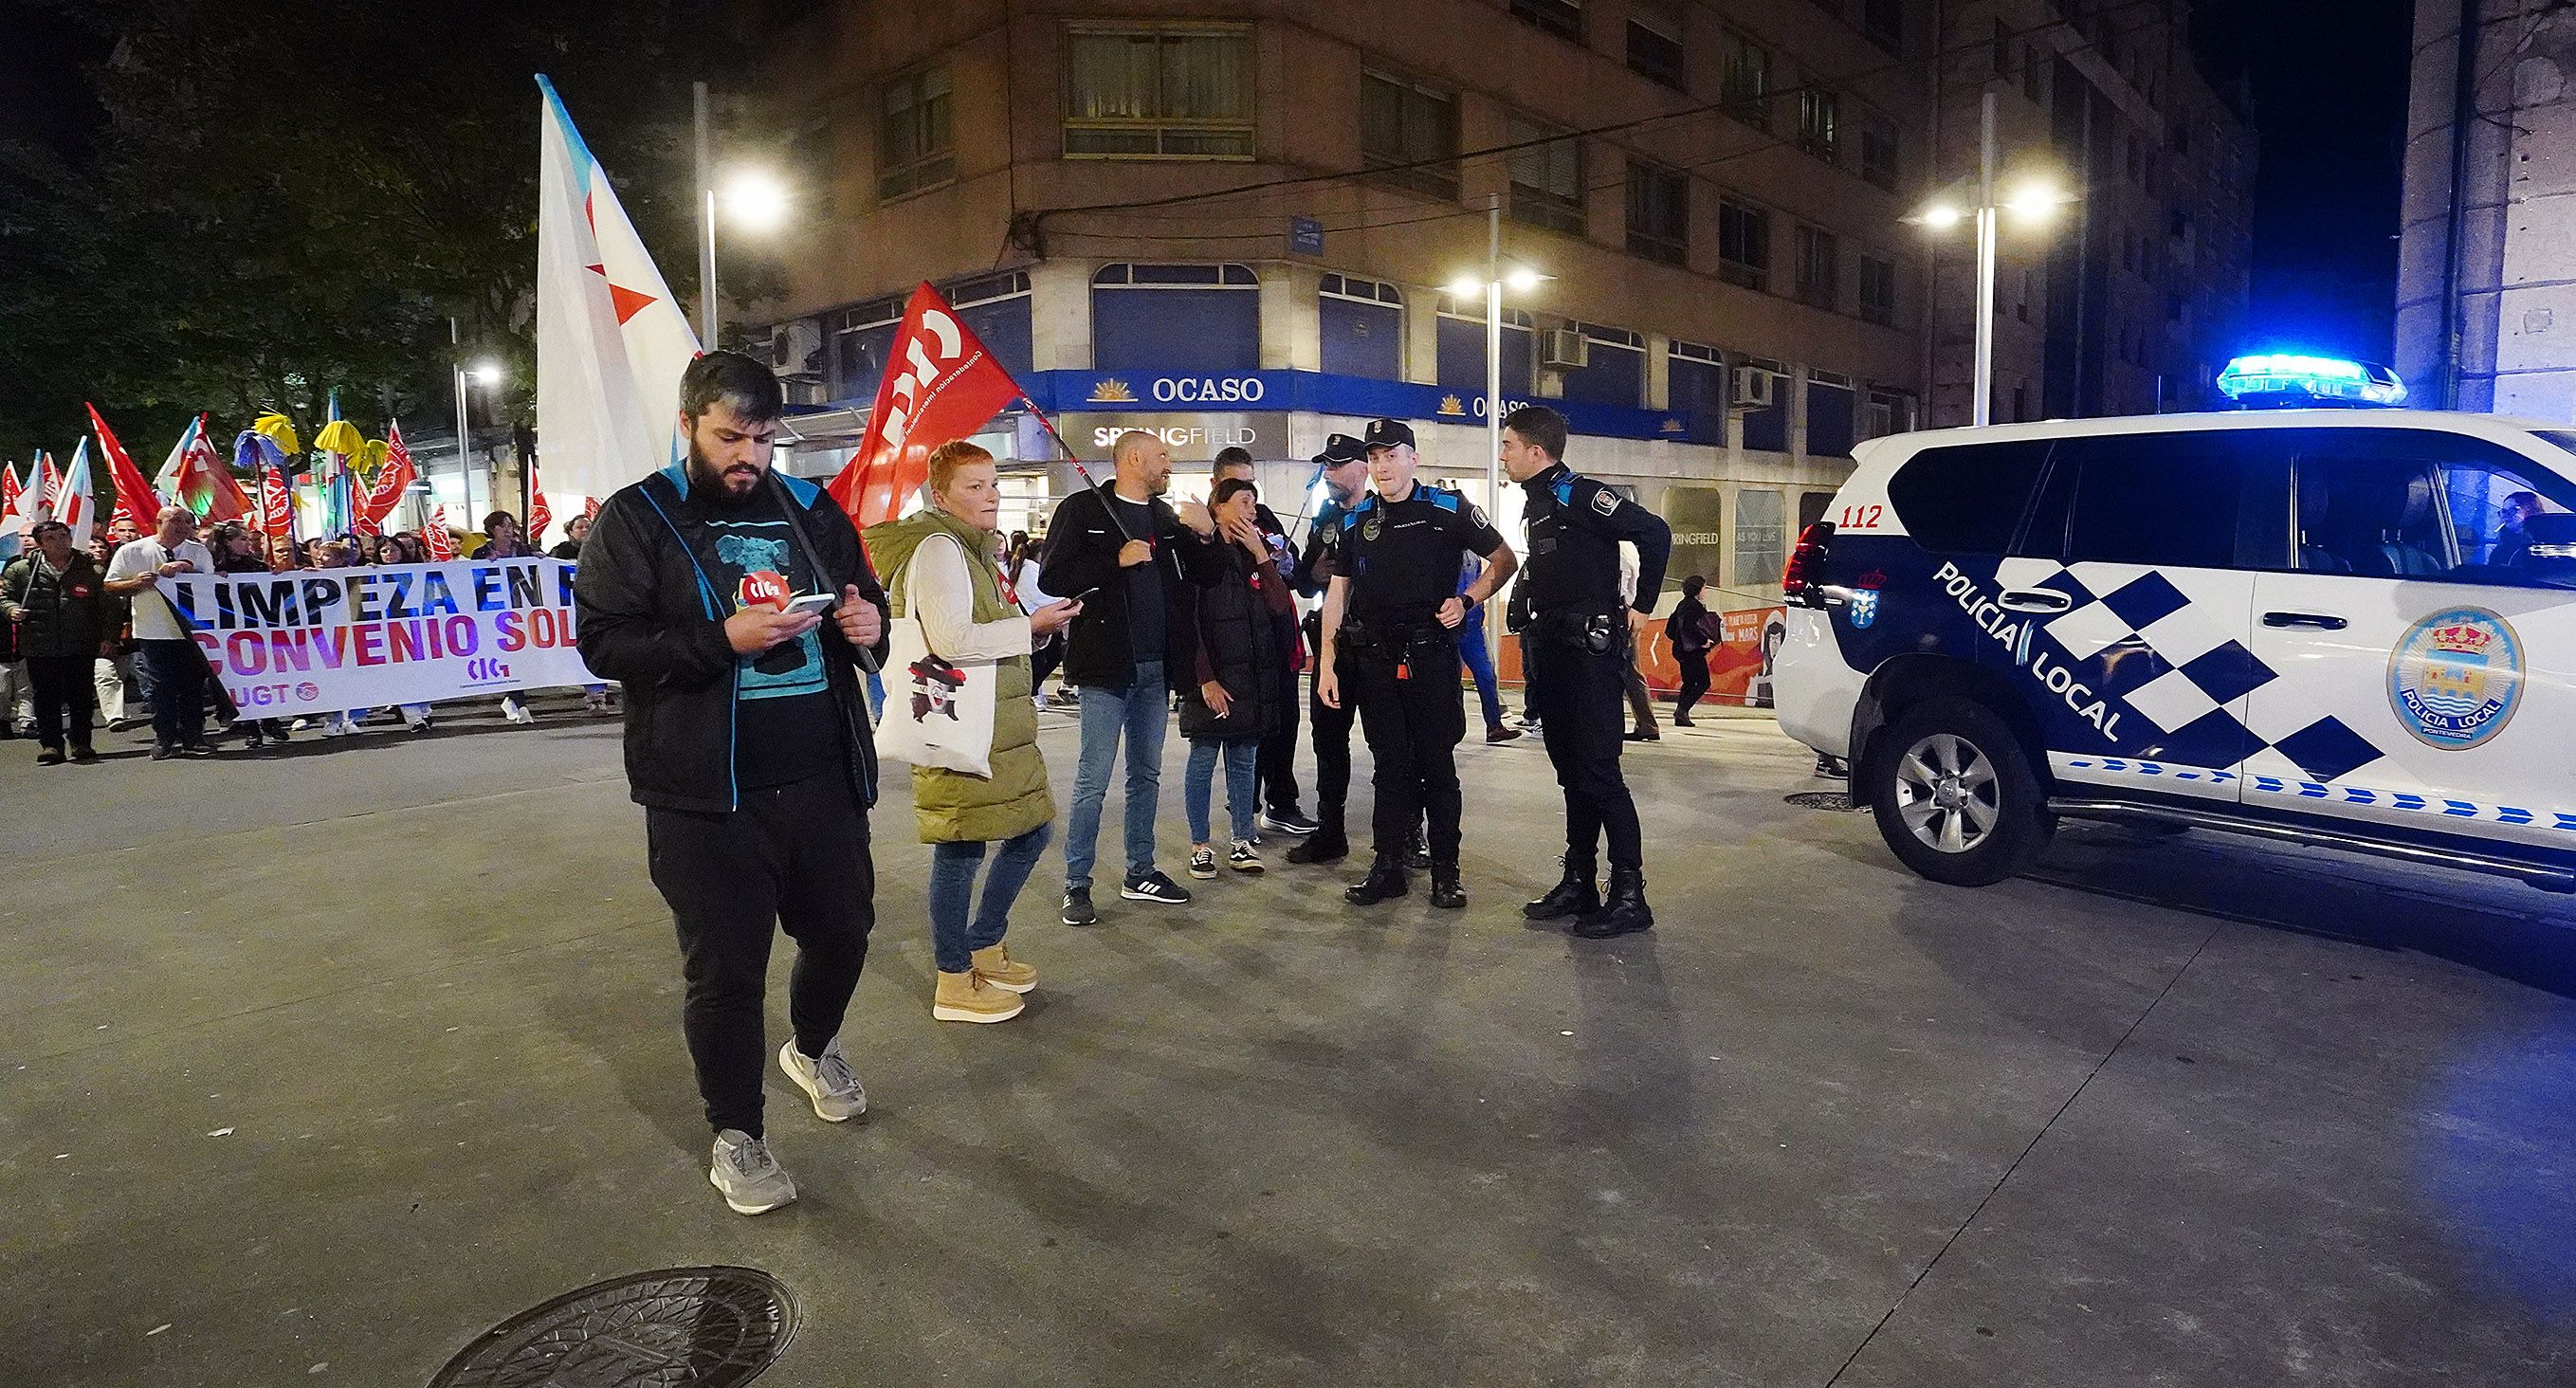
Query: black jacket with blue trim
[[651, 620]]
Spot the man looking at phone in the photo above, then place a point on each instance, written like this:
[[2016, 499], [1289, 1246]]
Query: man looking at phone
[[747, 743]]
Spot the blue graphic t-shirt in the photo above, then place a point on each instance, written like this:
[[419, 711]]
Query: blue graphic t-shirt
[[786, 728]]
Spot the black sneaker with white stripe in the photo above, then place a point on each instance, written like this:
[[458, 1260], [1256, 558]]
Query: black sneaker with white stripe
[[1154, 886], [1288, 821]]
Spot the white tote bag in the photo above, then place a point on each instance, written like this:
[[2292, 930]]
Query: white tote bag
[[938, 712]]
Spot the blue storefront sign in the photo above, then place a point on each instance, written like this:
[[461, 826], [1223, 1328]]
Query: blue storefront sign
[[1305, 236], [1317, 392]]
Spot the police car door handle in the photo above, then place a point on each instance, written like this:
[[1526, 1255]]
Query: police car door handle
[[2322, 620], [2034, 600]]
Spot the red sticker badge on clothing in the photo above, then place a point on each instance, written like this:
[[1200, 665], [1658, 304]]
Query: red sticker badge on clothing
[[762, 588]]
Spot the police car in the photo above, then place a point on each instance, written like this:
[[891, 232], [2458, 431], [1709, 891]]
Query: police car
[[2337, 626]]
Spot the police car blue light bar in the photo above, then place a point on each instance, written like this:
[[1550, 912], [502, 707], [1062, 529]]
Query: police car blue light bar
[[2284, 379]]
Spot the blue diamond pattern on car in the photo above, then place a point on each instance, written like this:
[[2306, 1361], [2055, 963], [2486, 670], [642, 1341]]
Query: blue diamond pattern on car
[[2146, 600], [2139, 638], [2229, 672], [2328, 750]]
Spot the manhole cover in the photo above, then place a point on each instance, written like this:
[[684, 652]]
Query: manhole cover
[[1824, 800], [710, 1327]]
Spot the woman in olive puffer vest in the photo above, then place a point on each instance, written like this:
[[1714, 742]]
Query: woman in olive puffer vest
[[940, 571]]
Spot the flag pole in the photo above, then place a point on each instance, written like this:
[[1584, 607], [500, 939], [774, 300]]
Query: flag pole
[[1076, 459]]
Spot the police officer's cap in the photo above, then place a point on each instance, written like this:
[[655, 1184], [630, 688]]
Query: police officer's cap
[[1389, 433], [1340, 449]]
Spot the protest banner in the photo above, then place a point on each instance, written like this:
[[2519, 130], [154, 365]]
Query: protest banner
[[325, 640]]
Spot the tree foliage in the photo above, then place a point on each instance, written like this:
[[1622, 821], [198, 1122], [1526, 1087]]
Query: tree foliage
[[288, 196]]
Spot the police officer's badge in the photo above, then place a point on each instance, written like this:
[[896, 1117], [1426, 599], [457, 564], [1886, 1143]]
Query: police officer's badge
[[1369, 528]]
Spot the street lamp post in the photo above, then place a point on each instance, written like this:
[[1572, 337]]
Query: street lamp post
[[2032, 201], [1524, 279], [481, 373], [753, 199]]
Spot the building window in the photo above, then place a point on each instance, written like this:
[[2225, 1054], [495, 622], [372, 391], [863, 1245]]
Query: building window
[[913, 146], [1831, 413], [1402, 123], [2033, 77], [1563, 18], [1884, 22], [1175, 318], [1658, 214], [1819, 267], [1458, 331], [1881, 152], [1877, 288], [1759, 523], [1819, 131], [1158, 93], [1999, 54], [2021, 403], [1890, 412], [1743, 244], [1361, 326], [1547, 177], [1744, 79], [1655, 41]]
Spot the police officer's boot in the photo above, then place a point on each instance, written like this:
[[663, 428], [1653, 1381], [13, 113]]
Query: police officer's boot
[[1573, 895], [1447, 892], [1385, 882], [1623, 911], [1325, 845]]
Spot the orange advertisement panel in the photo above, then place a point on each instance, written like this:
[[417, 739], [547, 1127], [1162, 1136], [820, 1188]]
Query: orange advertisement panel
[[1739, 665]]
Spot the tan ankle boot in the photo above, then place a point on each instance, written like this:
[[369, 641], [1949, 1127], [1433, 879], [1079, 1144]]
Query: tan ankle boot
[[967, 997], [1002, 971]]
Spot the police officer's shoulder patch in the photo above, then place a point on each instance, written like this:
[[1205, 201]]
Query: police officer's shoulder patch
[[1476, 517], [1564, 493], [1605, 500]]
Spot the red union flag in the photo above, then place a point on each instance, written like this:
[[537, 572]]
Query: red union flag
[[276, 504], [392, 480], [135, 498], [541, 517], [940, 385]]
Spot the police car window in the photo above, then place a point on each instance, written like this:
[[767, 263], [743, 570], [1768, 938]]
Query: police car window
[[1966, 498], [2425, 505], [2168, 498]]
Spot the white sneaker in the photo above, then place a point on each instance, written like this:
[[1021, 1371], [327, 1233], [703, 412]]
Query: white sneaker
[[516, 712], [828, 1081], [751, 1180]]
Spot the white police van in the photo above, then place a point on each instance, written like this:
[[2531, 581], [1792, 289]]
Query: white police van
[[2351, 627]]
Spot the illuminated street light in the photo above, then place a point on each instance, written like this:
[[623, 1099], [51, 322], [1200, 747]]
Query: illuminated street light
[[755, 200], [1520, 279], [2033, 201], [485, 373]]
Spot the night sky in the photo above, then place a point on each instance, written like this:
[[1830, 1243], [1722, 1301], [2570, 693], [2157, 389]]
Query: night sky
[[2328, 79]]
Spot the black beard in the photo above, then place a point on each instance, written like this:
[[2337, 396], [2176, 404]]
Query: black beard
[[708, 484]]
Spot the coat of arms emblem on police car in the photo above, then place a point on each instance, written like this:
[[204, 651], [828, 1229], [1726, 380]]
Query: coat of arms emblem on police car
[[2456, 677]]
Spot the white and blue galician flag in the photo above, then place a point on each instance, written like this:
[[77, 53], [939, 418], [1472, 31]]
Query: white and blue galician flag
[[611, 342]]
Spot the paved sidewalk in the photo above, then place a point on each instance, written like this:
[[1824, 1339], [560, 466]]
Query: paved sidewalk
[[320, 1063]]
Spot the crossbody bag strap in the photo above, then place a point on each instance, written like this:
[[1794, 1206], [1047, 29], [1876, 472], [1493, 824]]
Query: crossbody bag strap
[[814, 558]]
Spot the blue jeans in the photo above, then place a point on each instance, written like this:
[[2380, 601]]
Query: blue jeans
[[953, 940], [1139, 713], [1242, 759], [1480, 663]]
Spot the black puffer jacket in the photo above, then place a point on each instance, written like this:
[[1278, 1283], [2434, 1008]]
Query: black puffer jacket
[[1238, 615], [64, 612], [1082, 547]]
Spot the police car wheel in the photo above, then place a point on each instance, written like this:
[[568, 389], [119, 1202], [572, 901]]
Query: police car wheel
[[1955, 796]]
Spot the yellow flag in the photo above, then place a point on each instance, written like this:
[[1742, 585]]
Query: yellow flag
[[281, 429]]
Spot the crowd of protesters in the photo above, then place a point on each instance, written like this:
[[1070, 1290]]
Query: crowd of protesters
[[87, 640]]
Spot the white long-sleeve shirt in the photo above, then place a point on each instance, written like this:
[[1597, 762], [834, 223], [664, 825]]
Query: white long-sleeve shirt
[[940, 590]]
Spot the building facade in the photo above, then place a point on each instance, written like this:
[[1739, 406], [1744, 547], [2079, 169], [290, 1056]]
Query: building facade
[[1233, 221], [2129, 298], [2486, 278]]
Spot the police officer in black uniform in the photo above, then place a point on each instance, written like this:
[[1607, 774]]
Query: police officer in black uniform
[[1579, 633], [1343, 466], [1391, 619]]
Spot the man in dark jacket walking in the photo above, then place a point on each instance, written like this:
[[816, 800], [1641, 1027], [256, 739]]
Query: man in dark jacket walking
[[1125, 564], [747, 743], [52, 595]]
